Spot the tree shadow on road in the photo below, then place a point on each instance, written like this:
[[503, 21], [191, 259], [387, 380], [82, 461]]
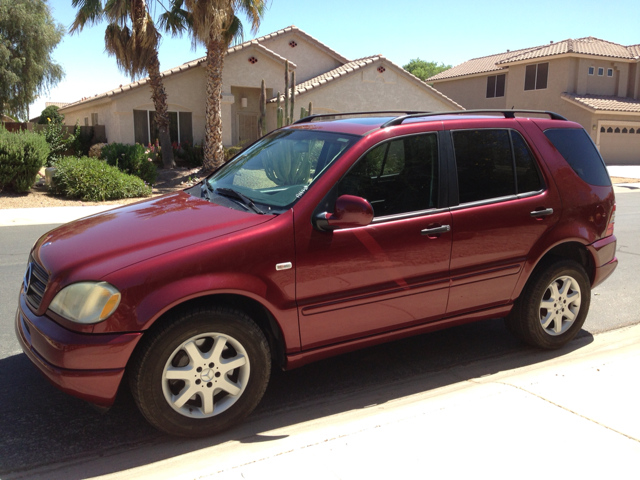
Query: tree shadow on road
[[45, 433]]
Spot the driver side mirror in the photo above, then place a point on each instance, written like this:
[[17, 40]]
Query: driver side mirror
[[349, 212]]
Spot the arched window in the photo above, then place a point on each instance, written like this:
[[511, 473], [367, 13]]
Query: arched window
[[602, 130], [632, 131], [624, 130], [609, 130], [617, 130]]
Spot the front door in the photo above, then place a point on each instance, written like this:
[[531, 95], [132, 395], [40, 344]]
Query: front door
[[391, 274]]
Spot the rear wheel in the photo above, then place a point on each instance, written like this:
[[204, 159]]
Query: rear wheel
[[553, 306], [202, 373]]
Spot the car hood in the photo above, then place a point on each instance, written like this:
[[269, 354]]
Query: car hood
[[94, 246]]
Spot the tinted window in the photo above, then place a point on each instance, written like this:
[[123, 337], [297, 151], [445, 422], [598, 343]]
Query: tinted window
[[579, 151], [530, 77], [485, 164], [399, 176], [527, 172], [500, 81]]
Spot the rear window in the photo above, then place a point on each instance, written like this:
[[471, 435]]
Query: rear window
[[579, 151]]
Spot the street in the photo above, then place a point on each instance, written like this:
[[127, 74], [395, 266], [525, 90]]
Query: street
[[41, 426]]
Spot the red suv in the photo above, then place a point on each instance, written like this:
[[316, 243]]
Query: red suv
[[323, 237]]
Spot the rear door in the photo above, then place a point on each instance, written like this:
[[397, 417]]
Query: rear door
[[505, 206]]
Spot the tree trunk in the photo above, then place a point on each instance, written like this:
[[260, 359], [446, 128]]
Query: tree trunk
[[159, 97], [213, 151]]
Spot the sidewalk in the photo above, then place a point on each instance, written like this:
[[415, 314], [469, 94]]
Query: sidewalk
[[531, 414]]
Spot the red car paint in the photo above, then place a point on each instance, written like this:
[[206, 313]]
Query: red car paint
[[348, 288]]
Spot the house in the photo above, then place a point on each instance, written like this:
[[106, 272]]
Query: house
[[330, 81], [591, 81]]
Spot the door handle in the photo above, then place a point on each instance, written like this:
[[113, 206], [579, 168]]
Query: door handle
[[436, 230], [541, 213]]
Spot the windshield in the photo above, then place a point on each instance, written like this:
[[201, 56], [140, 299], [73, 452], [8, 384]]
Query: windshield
[[277, 170]]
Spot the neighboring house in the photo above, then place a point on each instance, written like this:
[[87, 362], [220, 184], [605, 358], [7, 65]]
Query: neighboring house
[[332, 82], [591, 81]]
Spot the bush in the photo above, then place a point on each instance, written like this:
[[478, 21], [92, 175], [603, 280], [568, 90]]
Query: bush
[[22, 155], [59, 142], [193, 155], [131, 159], [93, 180], [51, 115], [82, 141], [96, 150]]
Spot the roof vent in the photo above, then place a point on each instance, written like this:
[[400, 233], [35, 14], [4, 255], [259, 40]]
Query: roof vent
[[253, 60], [381, 69], [551, 42], [293, 44]]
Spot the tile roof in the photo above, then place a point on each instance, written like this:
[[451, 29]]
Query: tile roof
[[585, 46], [582, 46], [476, 65], [354, 66], [604, 103]]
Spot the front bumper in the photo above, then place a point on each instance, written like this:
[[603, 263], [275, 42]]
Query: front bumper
[[86, 366]]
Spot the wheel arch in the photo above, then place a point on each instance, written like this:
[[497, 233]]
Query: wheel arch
[[259, 313]]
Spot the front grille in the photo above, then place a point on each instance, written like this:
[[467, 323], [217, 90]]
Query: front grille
[[36, 280]]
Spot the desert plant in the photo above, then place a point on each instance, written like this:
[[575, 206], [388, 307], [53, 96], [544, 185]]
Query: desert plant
[[93, 180], [96, 150], [22, 155], [285, 165], [59, 141], [131, 159], [82, 141], [262, 122]]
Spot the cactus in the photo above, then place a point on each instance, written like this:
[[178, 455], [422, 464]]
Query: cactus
[[286, 93], [293, 95], [284, 165], [262, 122], [310, 108], [303, 112], [280, 117], [279, 112]]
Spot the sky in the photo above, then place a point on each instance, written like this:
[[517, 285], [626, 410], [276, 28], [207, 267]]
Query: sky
[[450, 32]]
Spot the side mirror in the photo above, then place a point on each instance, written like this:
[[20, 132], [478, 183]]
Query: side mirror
[[349, 212]]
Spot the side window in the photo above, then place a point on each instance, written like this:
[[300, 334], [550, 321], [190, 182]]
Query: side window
[[484, 163], [527, 174], [399, 176]]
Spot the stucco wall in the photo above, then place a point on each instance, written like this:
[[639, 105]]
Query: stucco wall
[[369, 90], [309, 59], [471, 92]]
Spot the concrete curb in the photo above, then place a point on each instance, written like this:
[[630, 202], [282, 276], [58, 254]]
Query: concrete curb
[[47, 215]]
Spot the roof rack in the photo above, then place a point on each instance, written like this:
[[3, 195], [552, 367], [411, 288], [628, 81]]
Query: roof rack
[[405, 114], [506, 113]]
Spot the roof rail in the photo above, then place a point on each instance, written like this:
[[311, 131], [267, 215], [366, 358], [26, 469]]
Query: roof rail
[[506, 113], [405, 113]]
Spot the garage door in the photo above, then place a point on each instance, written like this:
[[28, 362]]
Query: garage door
[[620, 144]]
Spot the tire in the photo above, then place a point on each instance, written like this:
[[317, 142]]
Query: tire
[[553, 305], [201, 373]]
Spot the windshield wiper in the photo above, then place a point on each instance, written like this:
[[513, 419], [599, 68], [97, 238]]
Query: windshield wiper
[[231, 193]]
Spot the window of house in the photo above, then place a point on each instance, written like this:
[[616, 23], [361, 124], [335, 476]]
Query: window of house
[[600, 71], [86, 121], [94, 119], [592, 70], [146, 129], [495, 85], [609, 72], [399, 176], [536, 76], [493, 164]]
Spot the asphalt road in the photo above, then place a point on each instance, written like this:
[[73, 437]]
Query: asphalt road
[[40, 425]]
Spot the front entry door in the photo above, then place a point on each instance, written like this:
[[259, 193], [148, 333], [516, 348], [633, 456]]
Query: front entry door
[[391, 274]]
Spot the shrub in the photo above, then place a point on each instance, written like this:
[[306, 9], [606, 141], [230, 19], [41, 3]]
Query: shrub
[[93, 180], [192, 155], [96, 150], [59, 141], [22, 155], [51, 115], [82, 141], [131, 159]]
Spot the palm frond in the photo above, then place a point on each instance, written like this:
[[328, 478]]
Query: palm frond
[[89, 13], [175, 20]]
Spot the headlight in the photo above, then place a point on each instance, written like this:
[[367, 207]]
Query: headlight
[[86, 302]]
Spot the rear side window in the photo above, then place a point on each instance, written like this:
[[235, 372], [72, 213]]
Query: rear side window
[[579, 151], [493, 164]]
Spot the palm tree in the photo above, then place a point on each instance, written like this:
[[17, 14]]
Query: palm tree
[[131, 36], [215, 25]]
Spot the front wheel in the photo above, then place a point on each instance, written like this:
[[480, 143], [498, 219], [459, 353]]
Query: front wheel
[[202, 373], [553, 306]]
